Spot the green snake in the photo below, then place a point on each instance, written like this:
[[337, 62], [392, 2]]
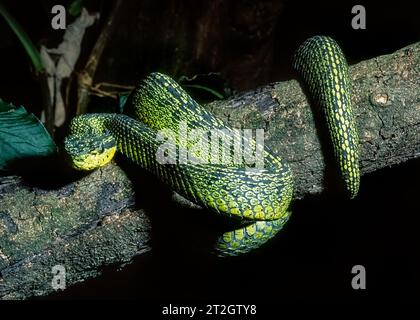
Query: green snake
[[258, 196]]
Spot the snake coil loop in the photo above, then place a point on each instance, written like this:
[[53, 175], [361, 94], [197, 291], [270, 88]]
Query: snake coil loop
[[258, 198]]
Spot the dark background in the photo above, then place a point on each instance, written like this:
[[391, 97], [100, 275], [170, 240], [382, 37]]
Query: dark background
[[248, 43]]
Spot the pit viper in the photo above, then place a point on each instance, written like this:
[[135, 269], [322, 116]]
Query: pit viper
[[258, 196]]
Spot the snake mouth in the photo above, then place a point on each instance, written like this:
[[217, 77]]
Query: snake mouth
[[89, 153], [91, 161]]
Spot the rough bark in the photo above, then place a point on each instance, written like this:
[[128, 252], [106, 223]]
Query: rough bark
[[386, 103], [84, 226], [92, 222]]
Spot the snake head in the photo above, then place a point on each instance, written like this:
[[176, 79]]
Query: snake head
[[90, 151]]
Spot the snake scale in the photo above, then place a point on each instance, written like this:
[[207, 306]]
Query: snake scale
[[257, 197]]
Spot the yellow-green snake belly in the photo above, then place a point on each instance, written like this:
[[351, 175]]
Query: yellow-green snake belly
[[259, 196]]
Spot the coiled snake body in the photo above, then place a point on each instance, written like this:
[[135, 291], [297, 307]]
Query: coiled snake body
[[259, 197]]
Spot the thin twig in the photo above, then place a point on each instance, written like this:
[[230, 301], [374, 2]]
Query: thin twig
[[114, 85], [100, 91]]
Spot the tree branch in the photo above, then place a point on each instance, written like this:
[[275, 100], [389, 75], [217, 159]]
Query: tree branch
[[385, 96], [93, 222]]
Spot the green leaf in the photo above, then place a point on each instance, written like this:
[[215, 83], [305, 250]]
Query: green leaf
[[122, 99], [30, 48], [212, 91], [22, 135], [75, 8]]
